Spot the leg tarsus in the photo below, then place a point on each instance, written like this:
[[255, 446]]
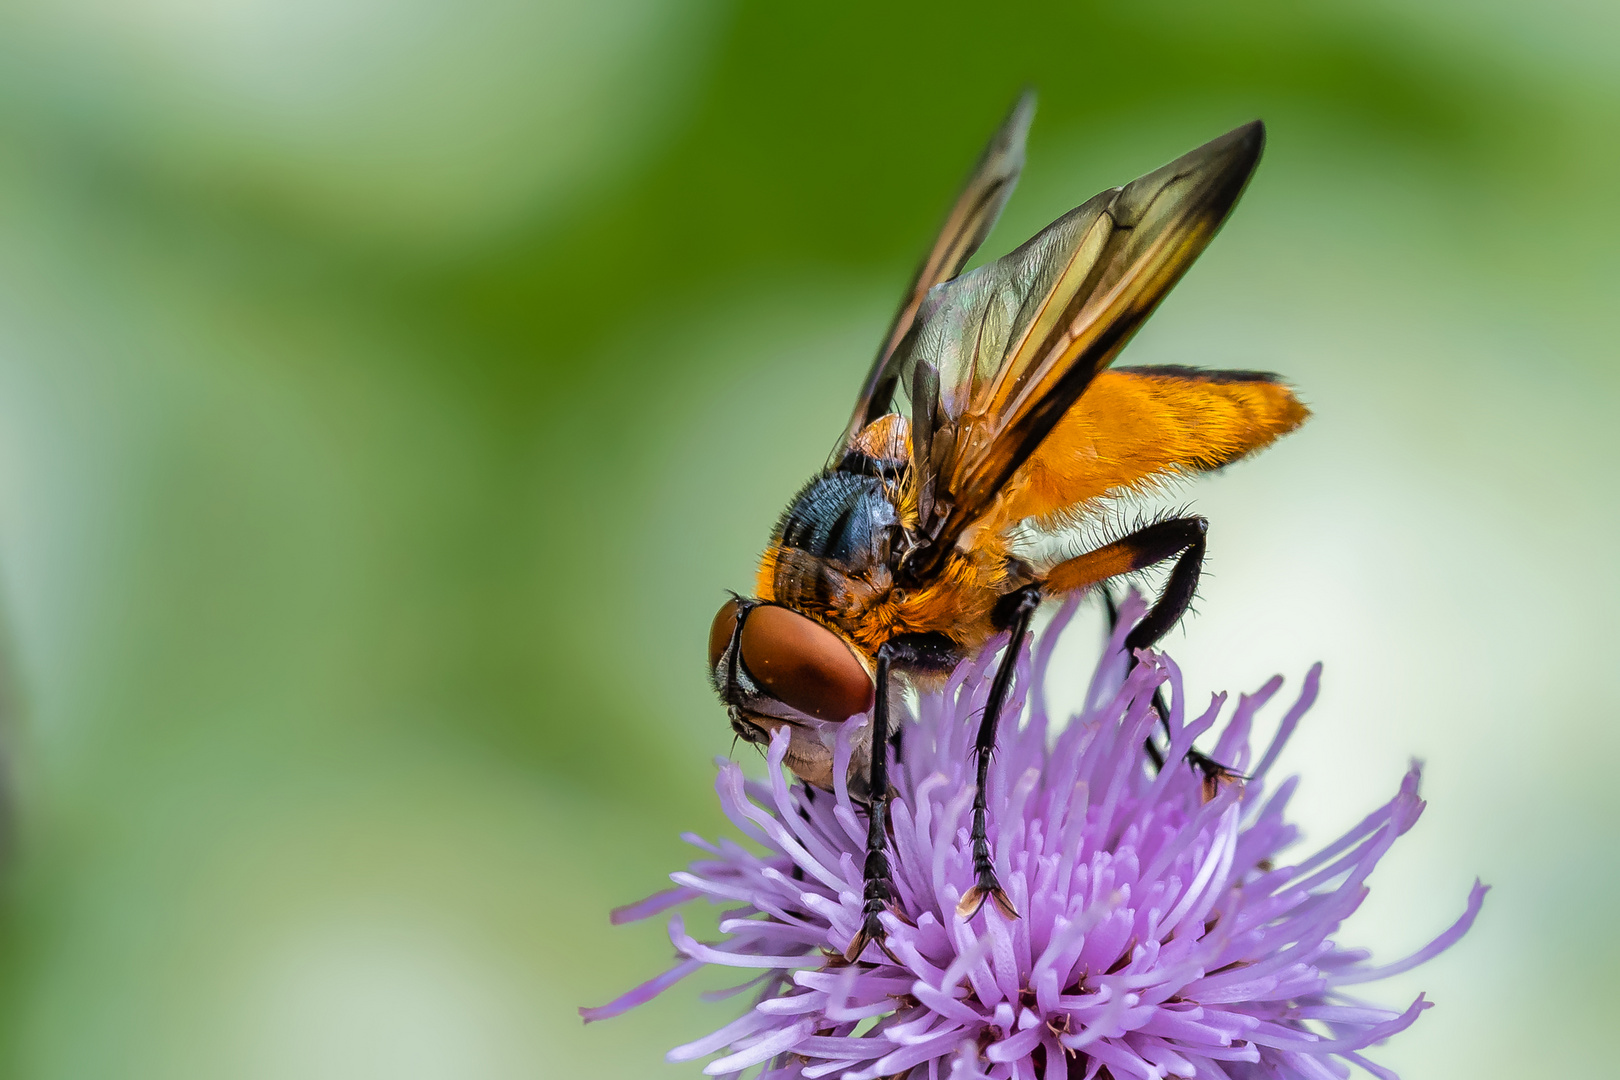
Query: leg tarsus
[[986, 887], [878, 890], [974, 899]]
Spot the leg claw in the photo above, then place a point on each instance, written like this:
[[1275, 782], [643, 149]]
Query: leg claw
[[871, 931], [975, 897], [1216, 775]]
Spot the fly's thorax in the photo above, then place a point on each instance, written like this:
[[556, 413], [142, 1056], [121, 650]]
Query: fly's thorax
[[835, 595], [845, 517], [833, 551]]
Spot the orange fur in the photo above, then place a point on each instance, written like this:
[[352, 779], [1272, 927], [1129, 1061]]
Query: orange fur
[[1107, 561], [1131, 431], [955, 602]]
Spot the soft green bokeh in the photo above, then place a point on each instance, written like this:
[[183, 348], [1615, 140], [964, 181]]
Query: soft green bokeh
[[389, 388]]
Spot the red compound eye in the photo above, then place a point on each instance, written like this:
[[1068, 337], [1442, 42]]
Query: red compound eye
[[720, 631], [802, 663]]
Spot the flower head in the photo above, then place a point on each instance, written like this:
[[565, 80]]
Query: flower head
[[1161, 931]]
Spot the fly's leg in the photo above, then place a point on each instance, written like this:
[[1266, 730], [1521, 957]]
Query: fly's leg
[[1154, 754], [1165, 613], [1181, 539], [1020, 610], [878, 891], [913, 652]]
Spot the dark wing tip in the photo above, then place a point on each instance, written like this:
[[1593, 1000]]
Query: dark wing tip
[[1230, 157], [1242, 143], [1234, 155], [1202, 184], [1253, 134]]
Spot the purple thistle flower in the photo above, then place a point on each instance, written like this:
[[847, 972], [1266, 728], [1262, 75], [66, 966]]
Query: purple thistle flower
[[1161, 933]]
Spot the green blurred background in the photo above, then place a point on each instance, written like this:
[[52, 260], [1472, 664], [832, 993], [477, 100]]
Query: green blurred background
[[388, 389]]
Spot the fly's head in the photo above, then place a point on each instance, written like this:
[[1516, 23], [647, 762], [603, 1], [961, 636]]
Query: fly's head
[[773, 668]]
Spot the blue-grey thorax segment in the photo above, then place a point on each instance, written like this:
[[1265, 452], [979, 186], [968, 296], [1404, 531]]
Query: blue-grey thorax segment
[[843, 517]]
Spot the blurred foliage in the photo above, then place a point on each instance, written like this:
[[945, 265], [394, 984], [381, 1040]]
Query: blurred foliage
[[388, 388]]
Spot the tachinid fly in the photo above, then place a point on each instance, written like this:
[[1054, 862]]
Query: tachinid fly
[[919, 542]]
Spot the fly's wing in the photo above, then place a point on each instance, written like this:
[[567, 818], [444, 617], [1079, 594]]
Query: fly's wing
[[999, 355], [969, 222]]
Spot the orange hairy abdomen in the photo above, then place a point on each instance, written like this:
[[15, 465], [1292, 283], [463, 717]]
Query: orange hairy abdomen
[[1131, 430]]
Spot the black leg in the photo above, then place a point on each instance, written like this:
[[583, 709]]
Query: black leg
[[878, 889], [919, 653], [1019, 610], [1159, 708], [1171, 606], [913, 653], [1182, 538]]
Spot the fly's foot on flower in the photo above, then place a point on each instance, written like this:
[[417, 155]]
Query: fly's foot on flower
[[974, 899], [878, 895], [859, 942], [871, 930], [1216, 775], [986, 886], [870, 933]]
